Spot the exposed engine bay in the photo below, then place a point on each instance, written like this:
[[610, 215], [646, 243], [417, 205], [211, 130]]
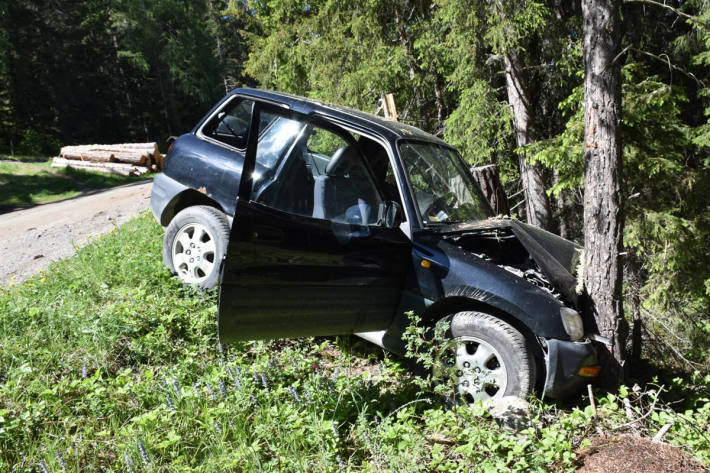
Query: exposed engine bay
[[500, 246]]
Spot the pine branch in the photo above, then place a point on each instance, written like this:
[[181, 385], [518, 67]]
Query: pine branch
[[667, 60], [692, 18]]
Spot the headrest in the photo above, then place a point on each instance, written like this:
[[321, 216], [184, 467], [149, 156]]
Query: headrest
[[341, 161]]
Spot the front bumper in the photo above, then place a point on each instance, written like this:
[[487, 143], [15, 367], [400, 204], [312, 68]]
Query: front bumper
[[563, 362]]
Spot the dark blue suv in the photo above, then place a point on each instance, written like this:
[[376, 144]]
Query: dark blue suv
[[315, 219]]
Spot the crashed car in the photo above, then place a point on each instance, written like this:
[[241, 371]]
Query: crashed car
[[316, 219]]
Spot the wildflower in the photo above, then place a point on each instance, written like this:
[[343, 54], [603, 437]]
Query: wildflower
[[231, 374], [334, 427], [294, 393], [341, 465], [43, 465], [239, 371], [197, 391], [100, 235], [84, 371], [13, 277], [222, 388], [308, 395], [264, 381], [89, 235], [256, 378], [210, 390], [220, 349], [170, 402], [144, 455], [43, 280], [367, 440], [60, 460], [129, 463], [218, 428], [11, 284], [176, 388]]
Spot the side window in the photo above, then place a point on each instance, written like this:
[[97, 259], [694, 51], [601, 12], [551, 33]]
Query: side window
[[379, 162], [316, 173], [231, 124]]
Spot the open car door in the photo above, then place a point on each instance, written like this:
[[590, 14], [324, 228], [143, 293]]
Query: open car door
[[309, 253]]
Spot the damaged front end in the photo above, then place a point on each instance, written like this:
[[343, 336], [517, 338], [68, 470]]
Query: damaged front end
[[550, 263]]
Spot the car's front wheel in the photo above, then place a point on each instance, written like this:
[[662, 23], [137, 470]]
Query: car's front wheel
[[486, 357], [195, 244]]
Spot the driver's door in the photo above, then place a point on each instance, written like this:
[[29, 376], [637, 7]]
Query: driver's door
[[307, 253]]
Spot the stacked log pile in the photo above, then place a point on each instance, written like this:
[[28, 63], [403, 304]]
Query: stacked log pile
[[128, 159]]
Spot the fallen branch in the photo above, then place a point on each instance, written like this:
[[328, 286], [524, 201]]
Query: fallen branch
[[659, 435], [650, 410]]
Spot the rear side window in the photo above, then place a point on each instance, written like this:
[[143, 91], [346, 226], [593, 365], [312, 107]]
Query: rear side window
[[231, 124]]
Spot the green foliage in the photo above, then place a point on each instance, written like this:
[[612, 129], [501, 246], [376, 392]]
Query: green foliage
[[480, 127], [108, 363], [36, 143]]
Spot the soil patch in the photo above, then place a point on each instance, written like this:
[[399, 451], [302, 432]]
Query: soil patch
[[627, 454]]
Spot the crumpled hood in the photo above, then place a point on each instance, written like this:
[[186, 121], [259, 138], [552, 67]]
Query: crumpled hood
[[557, 258]]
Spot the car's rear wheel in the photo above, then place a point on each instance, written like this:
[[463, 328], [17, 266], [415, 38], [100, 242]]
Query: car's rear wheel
[[195, 244], [486, 357]]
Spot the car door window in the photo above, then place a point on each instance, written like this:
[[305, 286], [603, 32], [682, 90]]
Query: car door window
[[231, 124], [315, 172]]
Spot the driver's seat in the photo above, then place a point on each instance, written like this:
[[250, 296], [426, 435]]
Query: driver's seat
[[337, 195]]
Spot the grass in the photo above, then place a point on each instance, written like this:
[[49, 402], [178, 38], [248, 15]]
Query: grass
[[29, 183], [24, 158], [109, 364]]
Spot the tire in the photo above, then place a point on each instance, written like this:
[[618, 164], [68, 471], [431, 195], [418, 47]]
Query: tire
[[194, 245], [486, 357]]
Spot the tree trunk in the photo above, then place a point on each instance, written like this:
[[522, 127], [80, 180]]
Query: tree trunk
[[537, 205], [112, 168], [132, 153], [487, 178], [603, 199]]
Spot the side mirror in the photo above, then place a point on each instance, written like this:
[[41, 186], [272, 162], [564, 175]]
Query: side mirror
[[392, 214]]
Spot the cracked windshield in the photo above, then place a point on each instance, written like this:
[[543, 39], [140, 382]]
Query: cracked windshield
[[443, 190]]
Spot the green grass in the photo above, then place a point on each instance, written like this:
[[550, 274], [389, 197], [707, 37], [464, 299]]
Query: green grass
[[25, 158], [29, 183], [109, 364]]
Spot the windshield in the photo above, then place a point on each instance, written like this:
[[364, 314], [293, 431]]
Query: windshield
[[444, 192]]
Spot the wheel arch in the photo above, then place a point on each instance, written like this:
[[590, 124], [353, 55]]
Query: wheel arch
[[187, 198]]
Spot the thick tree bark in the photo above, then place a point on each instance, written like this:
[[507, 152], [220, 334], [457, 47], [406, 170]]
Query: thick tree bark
[[537, 205], [603, 198]]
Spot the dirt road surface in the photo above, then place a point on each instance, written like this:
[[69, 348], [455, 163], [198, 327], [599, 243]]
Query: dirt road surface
[[31, 239]]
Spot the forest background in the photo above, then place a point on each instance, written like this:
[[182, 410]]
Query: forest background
[[102, 71]]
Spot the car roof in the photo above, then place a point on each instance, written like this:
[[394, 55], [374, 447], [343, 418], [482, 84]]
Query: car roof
[[389, 128]]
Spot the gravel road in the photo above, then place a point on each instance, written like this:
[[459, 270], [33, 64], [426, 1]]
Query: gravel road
[[31, 239]]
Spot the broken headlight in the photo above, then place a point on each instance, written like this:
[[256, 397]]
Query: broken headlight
[[572, 322]]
